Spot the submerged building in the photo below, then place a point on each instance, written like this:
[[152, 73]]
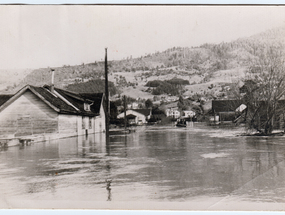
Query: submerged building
[[51, 111], [136, 116]]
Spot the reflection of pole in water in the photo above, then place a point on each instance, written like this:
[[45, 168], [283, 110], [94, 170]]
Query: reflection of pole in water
[[108, 188], [107, 110], [107, 147], [126, 146], [191, 123], [84, 146]]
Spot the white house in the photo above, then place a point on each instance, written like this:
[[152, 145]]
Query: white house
[[189, 113], [134, 105], [173, 112], [136, 116]]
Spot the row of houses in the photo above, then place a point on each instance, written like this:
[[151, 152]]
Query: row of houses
[[176, 113], [48, 110], [51, 111], [142, 116], [172, 110]]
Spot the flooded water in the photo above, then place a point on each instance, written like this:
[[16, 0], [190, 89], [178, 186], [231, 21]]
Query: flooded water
[[154, 164]]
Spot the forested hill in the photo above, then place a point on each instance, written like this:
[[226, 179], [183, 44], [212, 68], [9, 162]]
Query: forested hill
[[203, 66]]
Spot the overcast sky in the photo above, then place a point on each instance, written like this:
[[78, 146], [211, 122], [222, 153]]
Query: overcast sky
[[51, 36]]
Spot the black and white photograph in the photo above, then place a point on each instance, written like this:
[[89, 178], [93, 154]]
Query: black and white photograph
[[142, 107]]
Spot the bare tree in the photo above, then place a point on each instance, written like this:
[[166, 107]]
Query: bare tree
[[264, 88]]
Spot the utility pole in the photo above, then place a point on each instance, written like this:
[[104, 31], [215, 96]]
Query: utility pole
[[106, 95]]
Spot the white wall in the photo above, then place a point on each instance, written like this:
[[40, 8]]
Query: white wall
[[100, 121], [67, 124], [28, 115]]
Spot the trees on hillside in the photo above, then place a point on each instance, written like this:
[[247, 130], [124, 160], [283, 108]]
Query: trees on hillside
[[148, 103], [173, 86]]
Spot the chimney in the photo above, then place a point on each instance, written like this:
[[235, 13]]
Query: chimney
[[52, 81]]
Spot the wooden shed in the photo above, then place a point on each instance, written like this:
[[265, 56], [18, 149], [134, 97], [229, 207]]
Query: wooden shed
[[48, 110], [226, 110]]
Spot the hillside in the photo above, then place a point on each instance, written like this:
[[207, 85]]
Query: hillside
[[210, 69], [12, 78]]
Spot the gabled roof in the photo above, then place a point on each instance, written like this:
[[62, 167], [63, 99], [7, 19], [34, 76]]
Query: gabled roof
[[4, 98], [131, 116], [61, 101], [225, 105], [145, 112]]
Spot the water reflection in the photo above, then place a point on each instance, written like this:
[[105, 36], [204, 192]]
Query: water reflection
[[108, 188], [157, 163]]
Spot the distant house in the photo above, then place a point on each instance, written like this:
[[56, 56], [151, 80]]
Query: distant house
[[226, 110], [189, 113], [134, 105], [173, 112], [49, 111], [136, 116]]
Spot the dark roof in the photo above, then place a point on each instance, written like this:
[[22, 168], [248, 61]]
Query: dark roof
[[75, 99], [96, 98], [53, 100], [225, 105], [131, 116], [145, 112], [4, 98], [78, 100], [62, 101]]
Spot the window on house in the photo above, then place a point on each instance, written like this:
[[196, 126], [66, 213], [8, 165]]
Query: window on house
[[86, 107]]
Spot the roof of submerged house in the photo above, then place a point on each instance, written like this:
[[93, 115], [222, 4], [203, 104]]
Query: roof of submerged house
[[60, 100], [132, 112], [225, 105], [4, 98], [145, 112]]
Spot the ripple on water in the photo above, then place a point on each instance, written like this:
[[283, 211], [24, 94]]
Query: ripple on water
[[215, 155]]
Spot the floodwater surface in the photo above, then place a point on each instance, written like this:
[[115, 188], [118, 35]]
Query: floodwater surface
[[204, 165]]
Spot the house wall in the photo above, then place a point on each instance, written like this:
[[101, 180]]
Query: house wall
[[86, 125], [140, 117], [28, 115], [82, 125], [100, 121], [67, 124], [226, 116]]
